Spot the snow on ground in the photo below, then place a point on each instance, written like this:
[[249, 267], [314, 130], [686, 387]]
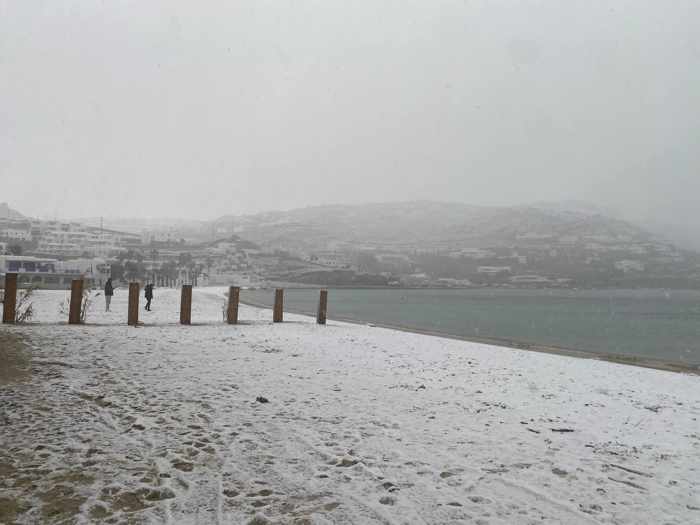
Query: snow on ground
[[161, 424]]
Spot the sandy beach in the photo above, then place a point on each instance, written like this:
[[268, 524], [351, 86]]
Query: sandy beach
[[14, 359], [344, 423]]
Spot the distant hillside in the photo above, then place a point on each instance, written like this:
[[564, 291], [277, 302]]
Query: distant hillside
[[425, 224], [8, 213]]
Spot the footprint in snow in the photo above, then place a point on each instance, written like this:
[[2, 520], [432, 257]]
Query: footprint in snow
[[449, 473]]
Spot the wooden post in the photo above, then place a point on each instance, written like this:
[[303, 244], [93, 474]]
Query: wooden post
[[322, 307], [133, 315], [9, 307], [186, 304], [76, 301], [234, 293], [277, 313]]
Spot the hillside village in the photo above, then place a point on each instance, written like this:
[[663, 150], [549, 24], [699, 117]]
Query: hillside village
[[405, 244]]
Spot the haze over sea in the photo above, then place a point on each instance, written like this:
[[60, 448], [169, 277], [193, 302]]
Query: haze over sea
[[652, 324]]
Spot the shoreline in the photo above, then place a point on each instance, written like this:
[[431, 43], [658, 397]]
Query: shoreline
[[643, 362], [306, 286]]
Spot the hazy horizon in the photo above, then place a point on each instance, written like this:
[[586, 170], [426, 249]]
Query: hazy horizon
[[570, 205], [178, 110]]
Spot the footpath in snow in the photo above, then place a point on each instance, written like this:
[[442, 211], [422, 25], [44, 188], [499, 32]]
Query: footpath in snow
[[300, 423]]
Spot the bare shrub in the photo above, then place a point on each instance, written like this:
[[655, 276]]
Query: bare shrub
[[64, 306], [25, 306], [85, 304], [86, 301]]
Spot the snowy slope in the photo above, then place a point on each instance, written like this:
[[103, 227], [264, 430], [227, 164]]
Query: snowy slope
[[363, 425]]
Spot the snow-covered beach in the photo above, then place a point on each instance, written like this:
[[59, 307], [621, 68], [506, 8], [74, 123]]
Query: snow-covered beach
[[300, 423]]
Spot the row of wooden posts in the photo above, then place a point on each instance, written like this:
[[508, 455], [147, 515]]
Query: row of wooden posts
[[76, 300]]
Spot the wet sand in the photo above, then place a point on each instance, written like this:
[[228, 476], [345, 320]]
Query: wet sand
[[14, 359], [14, 368], [644, 362]]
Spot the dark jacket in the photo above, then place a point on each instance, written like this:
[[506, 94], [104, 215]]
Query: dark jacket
[[109, 289], [149, 291]]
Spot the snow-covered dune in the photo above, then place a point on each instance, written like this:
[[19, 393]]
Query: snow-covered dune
[[299, 423]]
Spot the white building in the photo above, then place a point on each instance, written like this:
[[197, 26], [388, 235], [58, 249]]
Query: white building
[[73, 239], [416, 279], [529, 279], [629, 265], [474, 253], [452, 283], [569, 240], [44, 272], [330, 259], [15, 234], [493, 270], [534, 236]]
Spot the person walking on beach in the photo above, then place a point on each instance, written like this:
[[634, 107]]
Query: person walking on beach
[[109, 292], [149, 295]]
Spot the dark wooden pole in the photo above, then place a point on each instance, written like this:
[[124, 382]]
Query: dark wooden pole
[[133, 315], [278, 312], [9, 307], [234, 293], [322, 307], [186, 304], [76, 301]]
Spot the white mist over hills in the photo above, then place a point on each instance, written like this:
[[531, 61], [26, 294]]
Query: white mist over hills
[[400, 219], [426, 224], [393, 222], [176, 109]]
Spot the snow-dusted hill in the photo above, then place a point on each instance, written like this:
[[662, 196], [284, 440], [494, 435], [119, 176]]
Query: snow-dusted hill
[[426, 223], [360, 425]]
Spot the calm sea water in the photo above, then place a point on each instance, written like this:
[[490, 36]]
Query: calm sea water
[[648, 323]]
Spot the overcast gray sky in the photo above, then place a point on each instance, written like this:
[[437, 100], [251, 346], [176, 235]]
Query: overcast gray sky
[[197, 109]]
